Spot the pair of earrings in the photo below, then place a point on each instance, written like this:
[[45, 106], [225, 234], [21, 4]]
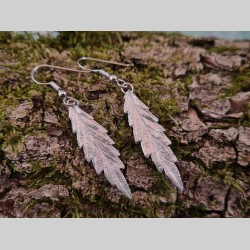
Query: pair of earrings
[[98, 146]]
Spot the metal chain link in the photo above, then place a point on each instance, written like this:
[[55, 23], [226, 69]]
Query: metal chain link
[[113, 78], [70, 101], [124, 85]]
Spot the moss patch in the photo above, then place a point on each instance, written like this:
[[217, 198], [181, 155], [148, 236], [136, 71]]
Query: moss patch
[[223, 49], [240, 82]]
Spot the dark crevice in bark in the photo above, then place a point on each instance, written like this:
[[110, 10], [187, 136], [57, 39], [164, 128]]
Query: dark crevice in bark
[[43, 105], [226, 202]]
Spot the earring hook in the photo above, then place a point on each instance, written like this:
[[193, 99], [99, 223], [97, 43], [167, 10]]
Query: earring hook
[[121, 83], [54, 67], [84, 58]]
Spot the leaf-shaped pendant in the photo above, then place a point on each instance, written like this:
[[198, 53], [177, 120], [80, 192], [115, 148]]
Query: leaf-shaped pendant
[[151, 135], [98, 149]]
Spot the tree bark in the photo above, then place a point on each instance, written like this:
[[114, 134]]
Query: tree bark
[[199, 88]]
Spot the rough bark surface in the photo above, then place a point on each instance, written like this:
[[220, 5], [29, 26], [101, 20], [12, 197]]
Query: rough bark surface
[[198, 88]]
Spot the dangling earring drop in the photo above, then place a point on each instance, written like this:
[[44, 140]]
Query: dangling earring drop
[[146, 130], [92, 137]]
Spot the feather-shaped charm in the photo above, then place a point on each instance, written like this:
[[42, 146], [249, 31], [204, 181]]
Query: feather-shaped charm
[[151, 135], [98, 149]]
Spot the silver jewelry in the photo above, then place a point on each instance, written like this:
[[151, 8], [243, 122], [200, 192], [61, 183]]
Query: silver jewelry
[[146, 129], [92, 137]]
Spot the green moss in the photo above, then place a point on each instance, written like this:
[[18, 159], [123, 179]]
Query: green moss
[[84, 43], [188, 80], [168, 107], [228, 179], [183, 152], [163, 108], [226, 173], [24, 49], [240, 82], [6, 37], [10, 164], [83, 207], [97, 39], [198, 211], [161, 186], [34, 202], [182, 86], [244, 120], [153, 34], [223, 49], [13, 141], [45, 175]]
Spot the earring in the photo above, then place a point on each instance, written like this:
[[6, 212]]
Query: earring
[[146, 129], [92, 137]]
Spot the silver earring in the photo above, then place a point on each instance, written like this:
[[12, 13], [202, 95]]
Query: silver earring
[[145, 125], [91, 136]]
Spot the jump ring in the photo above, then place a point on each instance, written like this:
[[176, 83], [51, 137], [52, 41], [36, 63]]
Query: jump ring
[[128, 85], [119, 82], [69, 101]]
